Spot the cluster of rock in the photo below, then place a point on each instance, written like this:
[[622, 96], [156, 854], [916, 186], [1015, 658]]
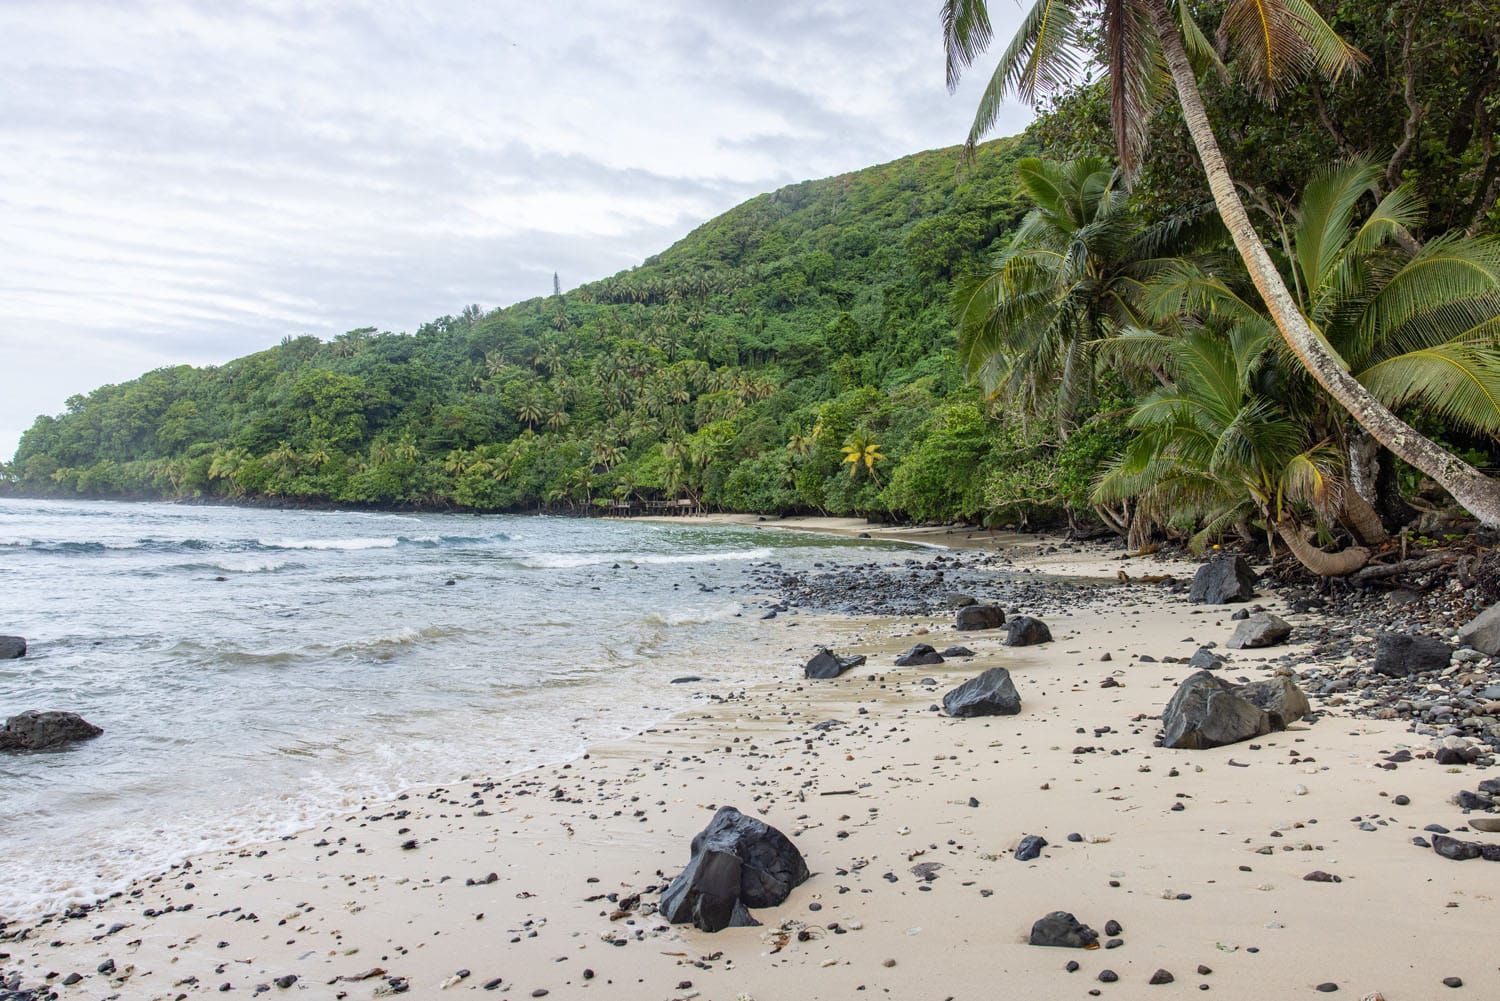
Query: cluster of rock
[[737, 862], [1207, 711]]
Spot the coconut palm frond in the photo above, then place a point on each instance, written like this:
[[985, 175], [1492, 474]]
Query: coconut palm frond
[[1458, 381]]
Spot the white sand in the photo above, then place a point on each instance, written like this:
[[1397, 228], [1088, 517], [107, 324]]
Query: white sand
[[347, 898]]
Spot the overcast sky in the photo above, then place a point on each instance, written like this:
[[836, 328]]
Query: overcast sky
[[189, 182]]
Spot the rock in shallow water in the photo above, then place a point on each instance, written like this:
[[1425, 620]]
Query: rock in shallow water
[[12, 647], [1223, 580], [826, 664], [34, 730], [990, 694], [737, 862]]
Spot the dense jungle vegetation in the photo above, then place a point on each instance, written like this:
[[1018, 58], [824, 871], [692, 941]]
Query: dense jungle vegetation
[[1020, 335]]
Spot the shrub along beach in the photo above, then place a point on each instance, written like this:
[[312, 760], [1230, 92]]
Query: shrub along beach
[[1185, 404]]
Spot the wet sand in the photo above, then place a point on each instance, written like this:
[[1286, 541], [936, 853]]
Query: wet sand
[[517, 885]]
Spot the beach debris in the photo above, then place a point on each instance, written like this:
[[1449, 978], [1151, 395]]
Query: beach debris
[[827, 664], [1259, 630], [34, 729], [1024, 630], [1222, 580], [990, 694], [980, 617], [1061, 929], [737, 862]]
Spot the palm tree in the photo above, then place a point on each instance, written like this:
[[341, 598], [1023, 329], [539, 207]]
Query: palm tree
[[1214, 445], [531, 410], [1274, 43], [1070, 278], [861, 452]]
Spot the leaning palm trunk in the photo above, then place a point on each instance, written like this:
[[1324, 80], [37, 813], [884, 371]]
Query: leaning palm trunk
[[1361, 517], [1471, 488], [1340, 564]]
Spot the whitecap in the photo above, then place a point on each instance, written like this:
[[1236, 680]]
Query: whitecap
[[384, 542], [564, 561]]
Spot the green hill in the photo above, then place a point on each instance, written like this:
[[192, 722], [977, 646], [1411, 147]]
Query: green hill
[[735, 367]]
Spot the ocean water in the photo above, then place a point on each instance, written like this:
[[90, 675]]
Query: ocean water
[[333, 664]]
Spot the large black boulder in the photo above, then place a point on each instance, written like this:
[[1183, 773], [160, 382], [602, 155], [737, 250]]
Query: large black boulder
[[1062, 930], [737, 862], [918, 655], [12, 647], [827, 664], [1208, 712], [1400, 654], [34, 730], [1260, 629], [1222, 580], [980, 617], [1023, 630], [990, 694]]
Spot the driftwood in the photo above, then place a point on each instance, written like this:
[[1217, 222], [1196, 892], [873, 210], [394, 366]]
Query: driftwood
[[1433, 562], [1150, 578]]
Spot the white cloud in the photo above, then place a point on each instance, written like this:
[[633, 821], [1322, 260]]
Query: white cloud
[[187, 182]]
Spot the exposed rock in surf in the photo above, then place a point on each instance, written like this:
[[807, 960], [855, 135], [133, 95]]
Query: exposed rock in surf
[[34, 730], [1207, 712], [1222, 580], [827, 664], [990, 694], [1023, 630], [980, 617], [1259, 630], [737, 862], [12, 647], [919, 655]]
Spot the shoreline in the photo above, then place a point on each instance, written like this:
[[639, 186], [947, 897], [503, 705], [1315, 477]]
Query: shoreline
[[868, 783]]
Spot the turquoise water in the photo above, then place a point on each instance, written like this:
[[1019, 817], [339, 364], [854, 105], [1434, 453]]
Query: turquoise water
[[255, 670]]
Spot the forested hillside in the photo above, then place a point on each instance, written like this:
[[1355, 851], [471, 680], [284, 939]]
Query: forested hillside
[[733, 368], [1025, 334]]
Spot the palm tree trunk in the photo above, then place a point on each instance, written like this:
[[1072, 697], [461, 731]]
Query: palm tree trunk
[[1360, 516], [1471, 488], [1340, 564]]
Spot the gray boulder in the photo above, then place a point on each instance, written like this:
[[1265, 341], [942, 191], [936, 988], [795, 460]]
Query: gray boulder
[[980, 617], [1400, 654], [1282, 700], [958, 651], [1205, 660], [12, 647], [918, 655], [1260, 629], [1222, 580], [34, 730], [990, 694], [1062, 930], [737, 862], [1207, 712], [826, 664], [1023, 630], [1482, 632]]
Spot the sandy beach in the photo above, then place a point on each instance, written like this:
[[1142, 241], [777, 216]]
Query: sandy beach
[[540, 885]]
